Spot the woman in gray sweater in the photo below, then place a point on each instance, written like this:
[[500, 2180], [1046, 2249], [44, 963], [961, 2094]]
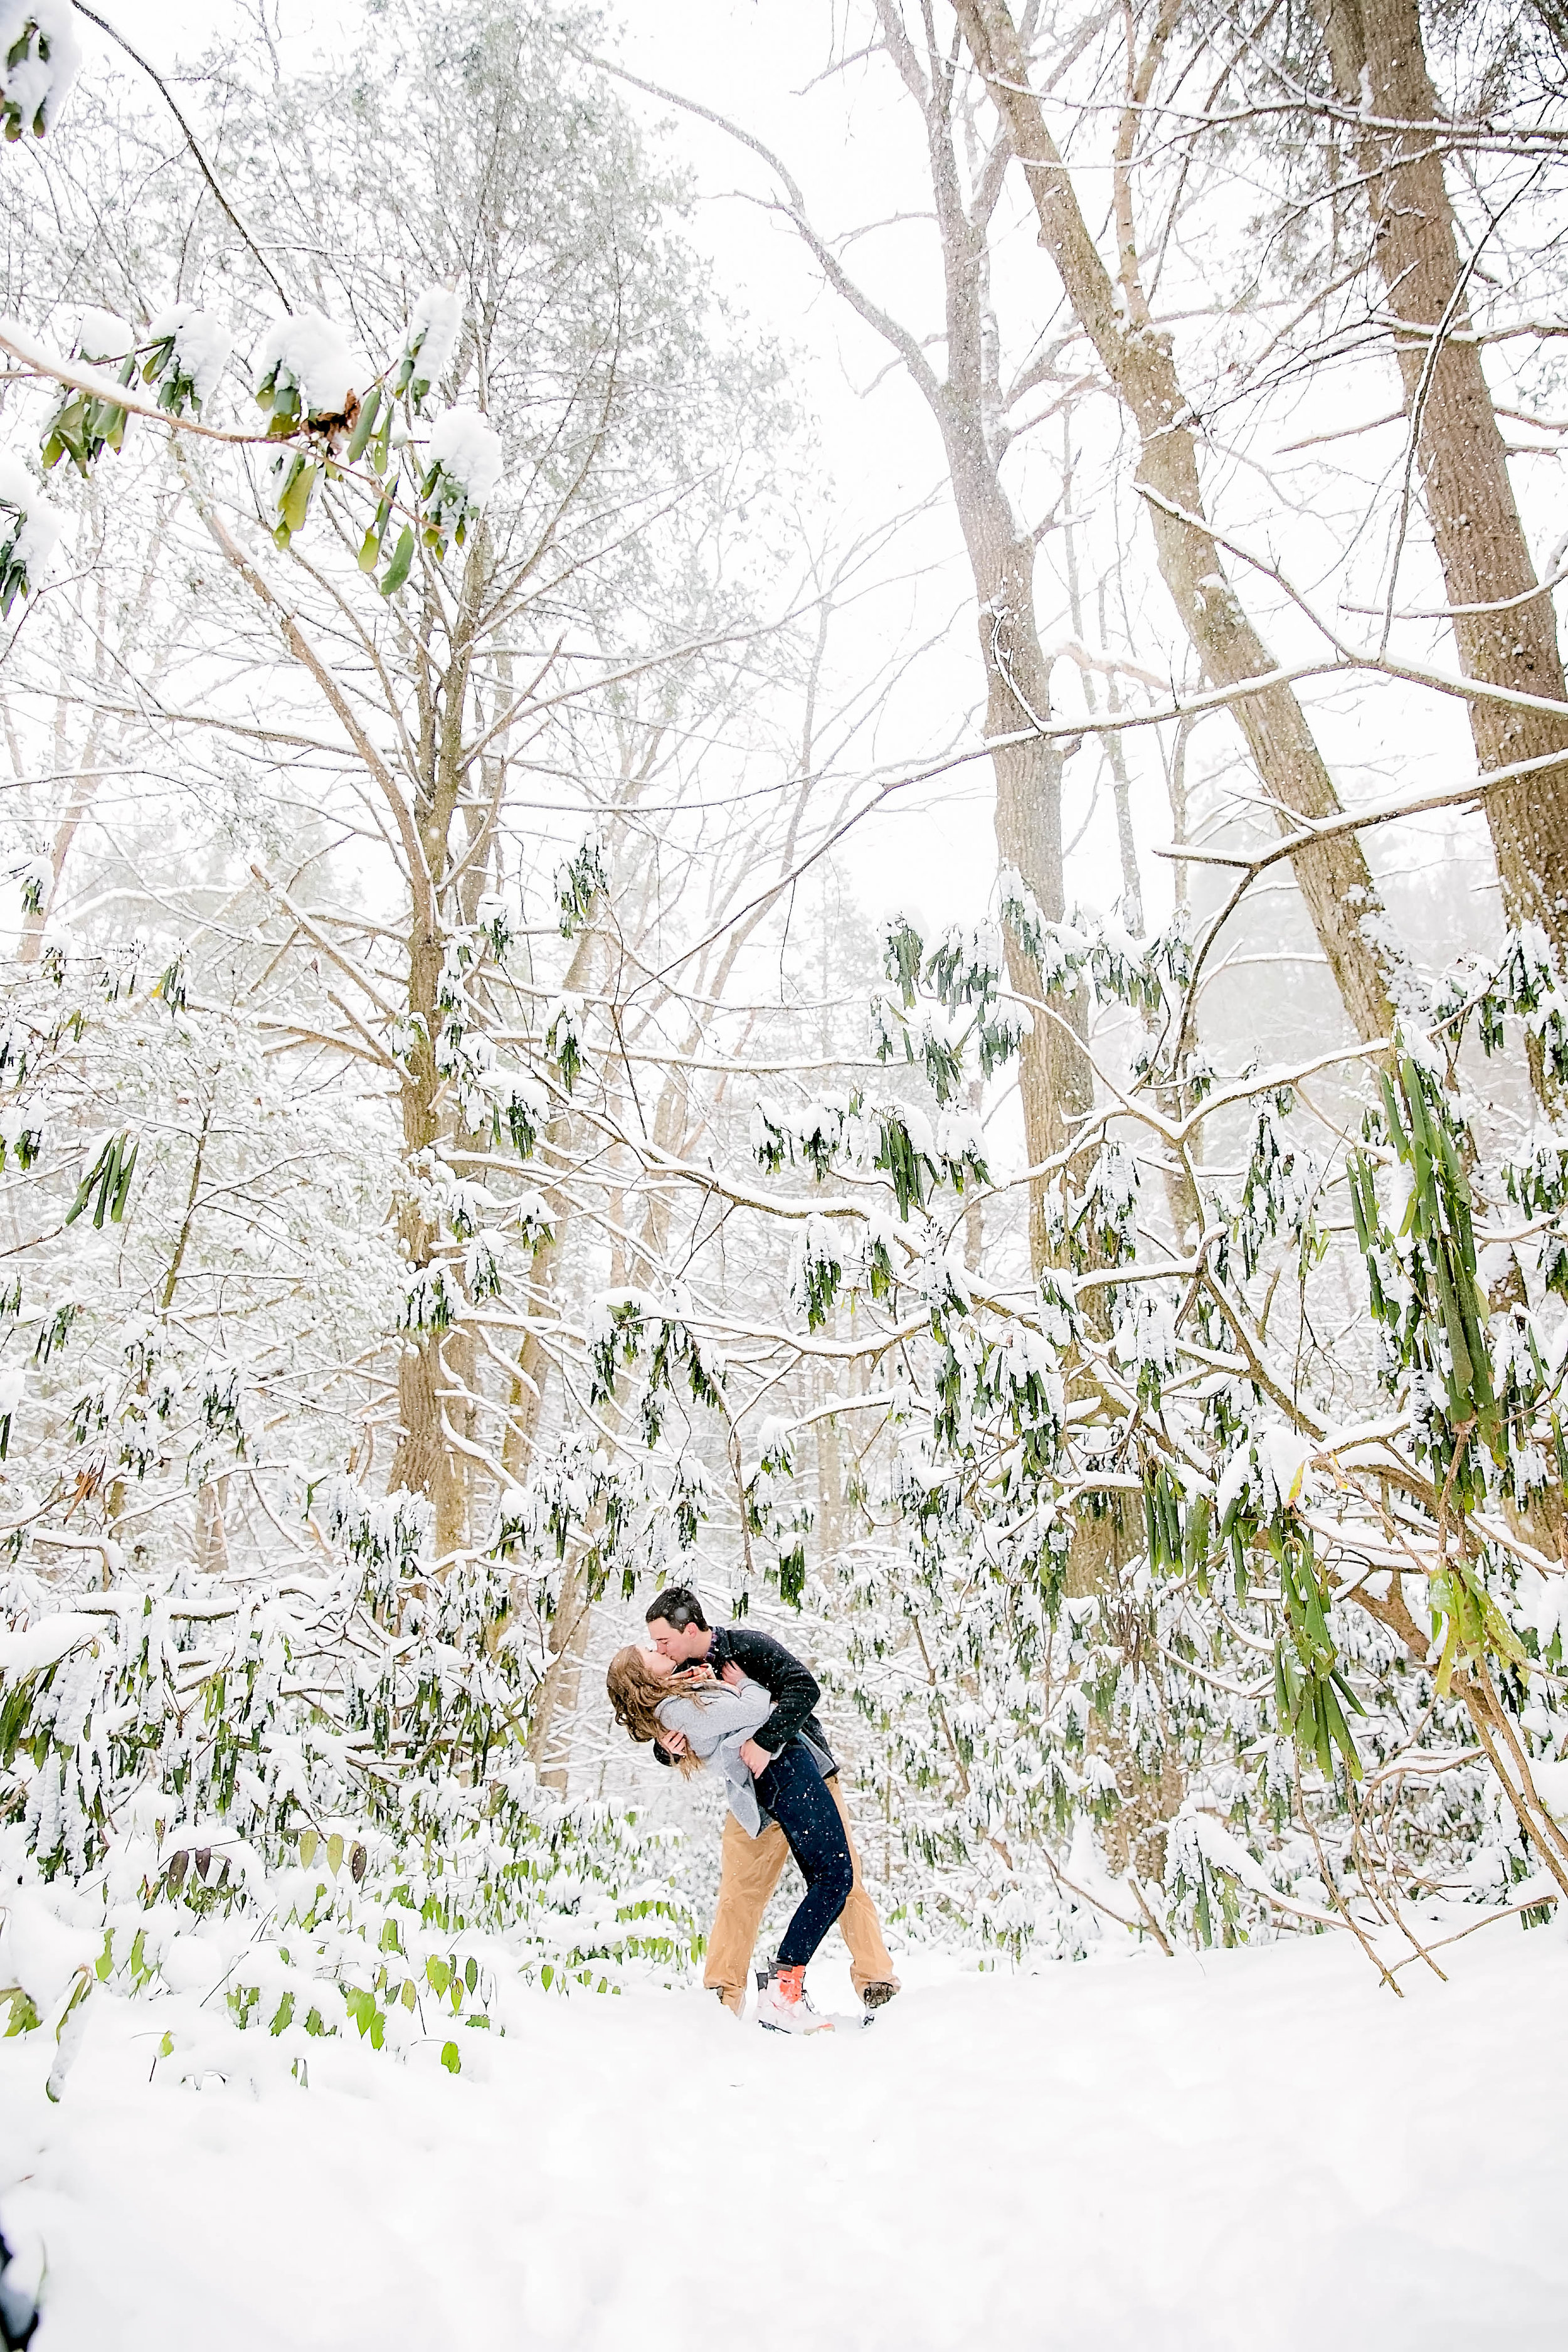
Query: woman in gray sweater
[[703, 1724]]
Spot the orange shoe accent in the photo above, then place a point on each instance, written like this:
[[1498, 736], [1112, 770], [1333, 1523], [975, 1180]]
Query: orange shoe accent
[[783, 2005]]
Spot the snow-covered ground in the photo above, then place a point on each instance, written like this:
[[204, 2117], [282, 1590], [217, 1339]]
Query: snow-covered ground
[[1261, 2149]]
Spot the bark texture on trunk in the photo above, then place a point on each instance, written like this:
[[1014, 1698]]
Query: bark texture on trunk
[[1375, 49], [526, 1402], [424, 1462], [437, 1375], [1149, 1795], [435, 1372], [1055, 1080], [1055, 1077], [1334, 876], [212, 1536], [553, 1713]]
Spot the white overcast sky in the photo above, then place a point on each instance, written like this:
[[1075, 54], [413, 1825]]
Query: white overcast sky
[[753, 61], [854, 145]]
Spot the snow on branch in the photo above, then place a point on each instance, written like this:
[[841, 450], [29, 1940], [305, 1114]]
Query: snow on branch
[[465, 470], [191, 350], [429, 343], [40, 56], [29, 528], [309, 369]]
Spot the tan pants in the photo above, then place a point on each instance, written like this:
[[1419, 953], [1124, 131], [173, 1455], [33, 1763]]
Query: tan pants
[[749, 1871]]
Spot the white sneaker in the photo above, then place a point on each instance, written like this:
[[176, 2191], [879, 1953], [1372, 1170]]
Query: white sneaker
[[783, 2005]]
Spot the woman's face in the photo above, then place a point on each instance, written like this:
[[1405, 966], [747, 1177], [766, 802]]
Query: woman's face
[[659, 1667]]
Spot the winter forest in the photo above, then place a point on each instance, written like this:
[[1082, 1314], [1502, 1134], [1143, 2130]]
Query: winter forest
[[784, 811]]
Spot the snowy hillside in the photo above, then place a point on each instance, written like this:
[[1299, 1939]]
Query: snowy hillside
[[1254, 2150]]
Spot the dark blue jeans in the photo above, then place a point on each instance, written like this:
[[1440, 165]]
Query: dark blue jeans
[[795, 1792]]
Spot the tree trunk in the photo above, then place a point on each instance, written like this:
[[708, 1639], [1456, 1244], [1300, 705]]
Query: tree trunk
[[1054, 1079], [1334, 876], [1460, 450], [424, 1462], [36, 920], [436, 1366], [527, 1400], [555, 1703], [212, 1537]]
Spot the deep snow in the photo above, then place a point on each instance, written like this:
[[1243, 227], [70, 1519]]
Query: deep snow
[[1260, 2148]]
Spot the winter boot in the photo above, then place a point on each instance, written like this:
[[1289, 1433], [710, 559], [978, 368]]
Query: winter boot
[[878, 1995], [783, 2005]]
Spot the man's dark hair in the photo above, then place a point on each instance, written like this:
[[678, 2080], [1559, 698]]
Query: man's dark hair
[[677, 1606]]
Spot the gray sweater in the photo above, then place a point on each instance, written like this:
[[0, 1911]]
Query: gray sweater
[[717, 1727]]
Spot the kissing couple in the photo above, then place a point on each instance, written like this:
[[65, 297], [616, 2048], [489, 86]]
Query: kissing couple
[[732, 1701]]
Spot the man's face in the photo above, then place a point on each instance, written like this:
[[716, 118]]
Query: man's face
[[680, 1643]]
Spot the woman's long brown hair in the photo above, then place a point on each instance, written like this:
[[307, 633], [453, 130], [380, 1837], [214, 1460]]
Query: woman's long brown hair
[[637, 1694]]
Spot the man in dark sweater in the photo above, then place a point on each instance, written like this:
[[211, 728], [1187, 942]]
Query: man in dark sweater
[[749, 1867]]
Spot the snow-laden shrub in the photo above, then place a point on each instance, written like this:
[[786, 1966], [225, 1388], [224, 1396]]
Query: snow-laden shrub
[[190, 351], [316, 1791], [1151, 1589], [464, 464], [40, 56], [308, 368], [429, 343], [29, 530]]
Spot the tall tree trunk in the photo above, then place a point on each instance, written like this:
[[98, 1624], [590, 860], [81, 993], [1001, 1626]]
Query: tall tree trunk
[[554, 1704], [526, 1402], [1334, 876], [424, 1462], [36, 920], [1114, 743], [1055, 1076], [555, 1700], [212, 1537], [438, 1366], [1054, 1079], [1380, 66]]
